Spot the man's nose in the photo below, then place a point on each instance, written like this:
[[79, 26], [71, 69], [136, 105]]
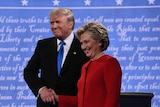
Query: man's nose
[[54, 25]]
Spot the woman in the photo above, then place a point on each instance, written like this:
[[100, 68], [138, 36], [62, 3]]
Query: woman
[[100, 81]]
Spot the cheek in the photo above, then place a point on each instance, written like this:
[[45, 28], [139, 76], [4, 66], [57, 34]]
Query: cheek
[[94, 47], [83, 46], [52, 26]]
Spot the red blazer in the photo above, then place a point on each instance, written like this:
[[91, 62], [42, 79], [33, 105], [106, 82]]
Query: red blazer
[[98, 86]]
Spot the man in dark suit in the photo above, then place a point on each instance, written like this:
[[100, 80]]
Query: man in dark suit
[[41, 73]]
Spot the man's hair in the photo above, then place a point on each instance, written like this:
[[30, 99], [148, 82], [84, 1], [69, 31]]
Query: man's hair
[[64, 11]]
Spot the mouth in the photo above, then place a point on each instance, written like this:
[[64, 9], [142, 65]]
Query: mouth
[[87, 50], [55, 32]]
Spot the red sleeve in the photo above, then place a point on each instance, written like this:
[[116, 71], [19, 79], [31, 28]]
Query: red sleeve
[[67, 101], [112, 77]]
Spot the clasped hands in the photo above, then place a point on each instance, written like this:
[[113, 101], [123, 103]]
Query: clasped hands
[[48, 95]]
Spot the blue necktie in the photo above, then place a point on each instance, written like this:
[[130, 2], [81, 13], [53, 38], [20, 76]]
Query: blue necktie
[[60, 56]]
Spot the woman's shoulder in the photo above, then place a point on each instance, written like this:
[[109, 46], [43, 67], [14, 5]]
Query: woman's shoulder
[[107, 58]]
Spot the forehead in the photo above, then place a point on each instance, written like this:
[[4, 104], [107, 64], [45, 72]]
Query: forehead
[[85, 36], [58, 17]]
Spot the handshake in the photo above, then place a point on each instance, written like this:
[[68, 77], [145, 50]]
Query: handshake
[[48, 95]]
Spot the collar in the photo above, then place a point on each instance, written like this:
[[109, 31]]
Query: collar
[[68, 40]]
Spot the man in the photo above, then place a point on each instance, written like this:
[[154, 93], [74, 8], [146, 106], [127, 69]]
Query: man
[[44, 61]]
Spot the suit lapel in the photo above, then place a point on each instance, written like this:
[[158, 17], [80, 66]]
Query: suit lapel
[[52, 54], [72, 51]]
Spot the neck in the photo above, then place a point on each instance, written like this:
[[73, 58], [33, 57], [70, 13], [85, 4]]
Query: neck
[[97, 56]]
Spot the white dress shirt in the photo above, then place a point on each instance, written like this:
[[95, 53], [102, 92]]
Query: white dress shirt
[[68, 42], [67, 46]]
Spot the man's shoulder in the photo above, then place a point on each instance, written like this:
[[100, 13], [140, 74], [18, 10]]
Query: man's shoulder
[[47, 40]]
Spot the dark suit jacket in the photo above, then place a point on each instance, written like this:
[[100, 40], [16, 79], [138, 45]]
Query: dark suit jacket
[[44, 60]]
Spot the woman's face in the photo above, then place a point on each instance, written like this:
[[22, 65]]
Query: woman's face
[[90, 46]]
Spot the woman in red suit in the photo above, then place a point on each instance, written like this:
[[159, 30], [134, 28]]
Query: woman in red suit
[[100, 81]]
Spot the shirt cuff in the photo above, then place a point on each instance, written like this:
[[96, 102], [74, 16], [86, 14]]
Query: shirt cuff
[[40, 90]]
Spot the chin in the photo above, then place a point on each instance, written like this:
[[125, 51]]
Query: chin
[[87, 55]]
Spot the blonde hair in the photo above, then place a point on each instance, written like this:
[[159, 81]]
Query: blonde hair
[[63, 11], [97, 31]]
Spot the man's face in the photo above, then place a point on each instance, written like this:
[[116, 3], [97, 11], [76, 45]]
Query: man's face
[[60, 26]]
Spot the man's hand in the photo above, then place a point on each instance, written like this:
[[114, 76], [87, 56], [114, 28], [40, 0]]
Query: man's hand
[[48, 95]]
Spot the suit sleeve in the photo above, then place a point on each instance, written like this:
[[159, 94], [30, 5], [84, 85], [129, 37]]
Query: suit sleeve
[[67, 101], [31, 72]]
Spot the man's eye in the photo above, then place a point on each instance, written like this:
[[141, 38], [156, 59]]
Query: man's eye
[[57, 22], [51, 23]]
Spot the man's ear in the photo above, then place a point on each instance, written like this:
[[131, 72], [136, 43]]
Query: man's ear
[[70, 25]]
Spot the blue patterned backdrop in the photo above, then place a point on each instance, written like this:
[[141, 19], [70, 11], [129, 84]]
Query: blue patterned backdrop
[[134, 31]]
